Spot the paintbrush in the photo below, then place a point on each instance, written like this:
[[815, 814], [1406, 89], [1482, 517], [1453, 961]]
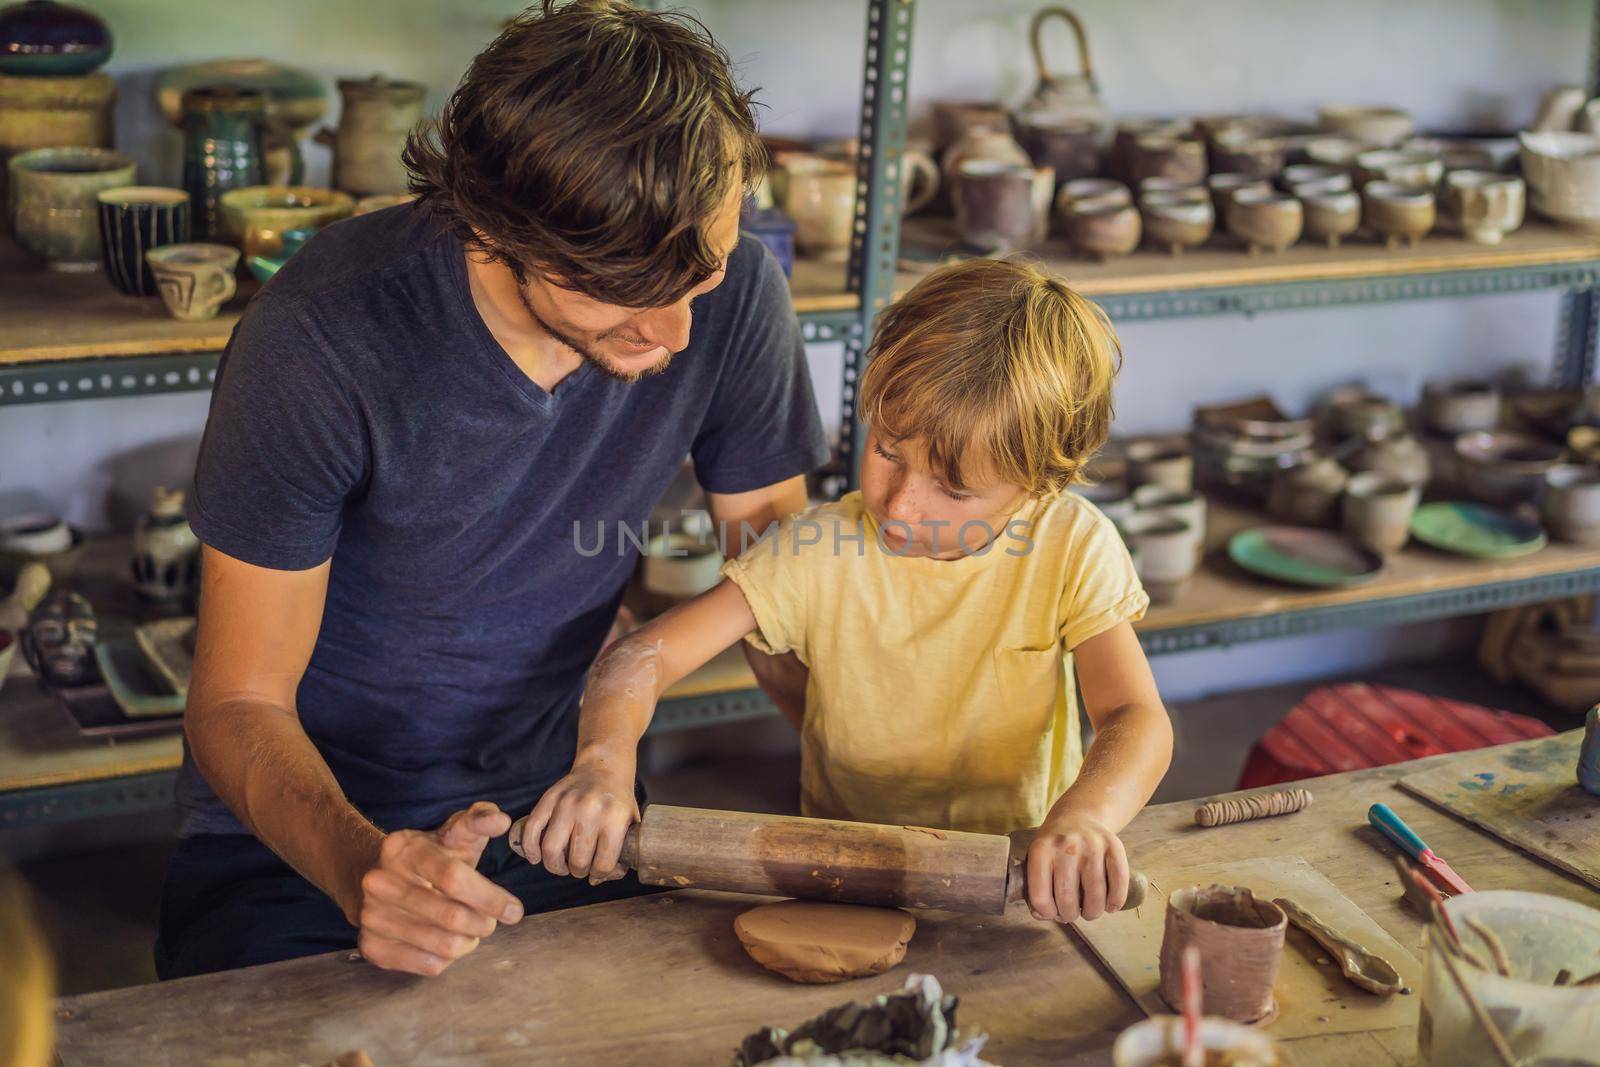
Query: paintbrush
[[1193, 1054]]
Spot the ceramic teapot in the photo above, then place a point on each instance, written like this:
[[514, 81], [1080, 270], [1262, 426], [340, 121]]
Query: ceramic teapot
[[1062, 98]]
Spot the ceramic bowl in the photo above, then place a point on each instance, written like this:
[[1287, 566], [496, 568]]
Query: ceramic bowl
[[1244, 152], [1356, 411], [61, 563], [1505, 467], [1336, 151], [1167, 463], [1224, 187], [1421, 169], [1563, 174], [1397, 455], [1101, 231], [1571, 505], [1157, 1040], [1174, 187], [1484, 205], [1378, 125], [52, 207], [1176, 221], [1322, 176], [1265, 219], [1460, 407], [1331, 215], [35, 533], [1308, 493], [1377, 511], [1398, 213], [257, 216], [1130, 131], [681, 565], [1484, 151], [1165, 156], [1107, 192], [1166, 548]]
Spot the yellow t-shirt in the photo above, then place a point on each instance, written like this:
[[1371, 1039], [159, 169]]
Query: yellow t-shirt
[[941, 691]]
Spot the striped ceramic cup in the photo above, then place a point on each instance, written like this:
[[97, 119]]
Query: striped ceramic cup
[[133, 220]]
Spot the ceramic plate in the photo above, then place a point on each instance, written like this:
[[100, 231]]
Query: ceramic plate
[[1303, 556], [168, 646], [138, 690], [1476, 530]]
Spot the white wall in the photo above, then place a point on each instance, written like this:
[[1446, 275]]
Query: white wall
[[1454, 63]]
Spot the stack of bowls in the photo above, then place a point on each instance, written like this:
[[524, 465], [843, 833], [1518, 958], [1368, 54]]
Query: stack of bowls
[[1241, 446]]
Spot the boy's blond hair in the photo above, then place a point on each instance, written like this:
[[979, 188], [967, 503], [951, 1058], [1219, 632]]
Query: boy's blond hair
[[995, 367]]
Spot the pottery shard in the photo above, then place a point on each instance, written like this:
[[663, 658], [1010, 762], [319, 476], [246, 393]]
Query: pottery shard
[[814, 942]]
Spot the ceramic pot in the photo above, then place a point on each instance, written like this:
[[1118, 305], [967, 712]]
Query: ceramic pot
[[1164, 156], [1166, 551], [1383, 126], [134, 220], [1331, 216], [680, 566], [820, 196], [1483, 151], [1265, 220], [1558, 109], [224, 148], [255, 218], [1398, 455], [376, 118], [1072, 148], [1321, 177], [1460, 407], [44, 38], [1398, 213], [1365, 416], [1175, 221], [1423, 170], [1506, 468], [1188, 508], [166, 552], [1308, 494], [1101, 231], [1377, 511], [1156, 1041], [1243, 152], [1091, 192], [296, 102], [1484, 205], [1338, 152], [34, 534], [1185, 190], [54, 214], [1166, 463], [195, 280], [1059, 98], [1240, 938], [981, 142], [1002, 208], [954, 119], [1571, 504], [1129, 131], [1563, 175], [1223, 187], [265, 268], [51, 113]]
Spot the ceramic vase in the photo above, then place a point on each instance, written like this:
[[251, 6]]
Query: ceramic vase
[[1002, 208], [42, 38], [224, 148], [166, 552], [376, 119]]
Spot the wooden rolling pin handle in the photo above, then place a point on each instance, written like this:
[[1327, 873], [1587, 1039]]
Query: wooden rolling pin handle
[[1017, 885], [630, 844]]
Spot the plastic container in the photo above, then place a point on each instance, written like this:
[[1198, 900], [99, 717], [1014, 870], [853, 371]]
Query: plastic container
[[1540, 1020], [1159, 1040]]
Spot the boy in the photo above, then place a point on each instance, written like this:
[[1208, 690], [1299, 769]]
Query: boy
[[940, 610]]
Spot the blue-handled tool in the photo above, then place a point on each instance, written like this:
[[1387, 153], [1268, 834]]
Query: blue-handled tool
[[1395, 829]]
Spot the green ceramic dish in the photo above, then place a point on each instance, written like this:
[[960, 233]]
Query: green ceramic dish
[[138, 690], [1476, 530], [1303, 556]]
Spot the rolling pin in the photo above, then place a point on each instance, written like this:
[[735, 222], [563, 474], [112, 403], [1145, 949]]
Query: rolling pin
[[826, 859]]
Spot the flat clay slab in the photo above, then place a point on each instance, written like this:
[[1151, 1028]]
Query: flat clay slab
[[1129, 943], [817, 942]]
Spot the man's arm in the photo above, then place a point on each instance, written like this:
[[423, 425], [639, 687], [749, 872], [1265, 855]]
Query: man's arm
[[783, 678], [415, 895]]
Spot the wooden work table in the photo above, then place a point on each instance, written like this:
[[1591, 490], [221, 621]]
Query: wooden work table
[[662, 980]]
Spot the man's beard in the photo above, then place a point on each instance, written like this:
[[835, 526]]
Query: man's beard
[[595, 359]]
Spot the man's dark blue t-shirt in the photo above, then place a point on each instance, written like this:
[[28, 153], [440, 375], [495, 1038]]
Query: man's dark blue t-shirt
[[364, 412]]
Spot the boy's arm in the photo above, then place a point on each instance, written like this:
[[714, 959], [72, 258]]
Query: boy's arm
[[578, 825], [1076, 851]]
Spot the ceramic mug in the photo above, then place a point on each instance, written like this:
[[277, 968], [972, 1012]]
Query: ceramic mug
[[1167, 464], [1187, 508], [1166, 551], [819, 194], [1486, 206], [53, 209], [134, 220], [1571, 505], [1378, 510], [1001, 207], [195, 279]]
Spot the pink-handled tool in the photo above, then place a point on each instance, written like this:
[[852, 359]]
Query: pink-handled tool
[[1395, 829], [1193, 1054]]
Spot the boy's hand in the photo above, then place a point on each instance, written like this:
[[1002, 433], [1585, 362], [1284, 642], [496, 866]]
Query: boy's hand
[[578, 825], [1076, 867]]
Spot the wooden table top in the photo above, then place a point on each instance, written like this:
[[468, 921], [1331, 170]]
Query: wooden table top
[[662, 980]]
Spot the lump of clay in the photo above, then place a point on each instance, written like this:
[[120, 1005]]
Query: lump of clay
[[815, 942]]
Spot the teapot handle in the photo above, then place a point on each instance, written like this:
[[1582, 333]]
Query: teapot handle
[[1036, 40]]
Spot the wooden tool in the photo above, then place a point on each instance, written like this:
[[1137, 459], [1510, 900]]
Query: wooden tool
[[1395, 829], [826, 859]]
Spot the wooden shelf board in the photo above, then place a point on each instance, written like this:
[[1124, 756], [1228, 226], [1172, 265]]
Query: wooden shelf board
[[1222, 592]]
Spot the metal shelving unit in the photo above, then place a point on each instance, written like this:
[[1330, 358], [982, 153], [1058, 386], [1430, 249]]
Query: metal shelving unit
[[871, 283]]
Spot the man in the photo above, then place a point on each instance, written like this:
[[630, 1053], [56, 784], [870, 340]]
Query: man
[[409, 426]]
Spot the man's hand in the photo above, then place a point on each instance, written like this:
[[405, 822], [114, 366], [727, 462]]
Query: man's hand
[[424, 905], [578, 825], [1073, 856]]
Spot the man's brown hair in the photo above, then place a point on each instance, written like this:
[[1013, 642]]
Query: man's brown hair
[[592, 142], [996, 368]]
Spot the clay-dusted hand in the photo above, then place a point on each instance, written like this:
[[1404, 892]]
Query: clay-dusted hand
[[1077, 868], [578, 825], [424, 905]]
